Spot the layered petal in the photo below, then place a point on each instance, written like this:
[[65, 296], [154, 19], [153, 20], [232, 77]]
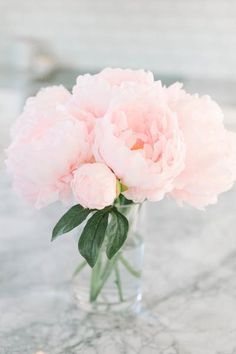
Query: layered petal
[[210, 166], [92, 93], [48, 144], [139, 139]]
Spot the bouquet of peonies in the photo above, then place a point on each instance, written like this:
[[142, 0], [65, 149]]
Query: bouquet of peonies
[[119, 138]]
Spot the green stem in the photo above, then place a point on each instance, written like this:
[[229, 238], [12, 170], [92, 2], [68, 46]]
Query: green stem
[[118, 282], [95, 277], [127, 265], [99, 280], [100, 276], [79, 268]]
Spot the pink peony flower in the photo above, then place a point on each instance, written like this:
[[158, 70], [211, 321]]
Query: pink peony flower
[[48, 145], [94, 186], [92, 93], [140, 140], [39, 112], [116, 77], [155, 140], [210, 165]]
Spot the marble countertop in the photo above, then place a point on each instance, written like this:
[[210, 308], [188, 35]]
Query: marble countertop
[[189, 284]]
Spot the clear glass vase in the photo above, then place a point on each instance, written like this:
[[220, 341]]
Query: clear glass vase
[[114, 285]]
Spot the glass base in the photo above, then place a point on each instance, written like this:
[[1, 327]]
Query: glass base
[[130, 306]]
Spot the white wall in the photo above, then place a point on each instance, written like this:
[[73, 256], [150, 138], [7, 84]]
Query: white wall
[[176, 37]]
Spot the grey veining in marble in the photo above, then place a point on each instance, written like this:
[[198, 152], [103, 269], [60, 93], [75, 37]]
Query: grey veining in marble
[[189, 284]]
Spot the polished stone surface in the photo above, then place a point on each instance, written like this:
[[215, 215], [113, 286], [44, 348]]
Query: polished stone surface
[[189, 284]]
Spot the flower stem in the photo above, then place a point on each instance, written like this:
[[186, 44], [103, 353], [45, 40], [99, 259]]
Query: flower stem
[[118, 282], [79, 268], [99, 278], [127, 265], [95, 277]]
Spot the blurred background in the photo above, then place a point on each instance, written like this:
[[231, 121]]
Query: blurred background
[[52, 41]]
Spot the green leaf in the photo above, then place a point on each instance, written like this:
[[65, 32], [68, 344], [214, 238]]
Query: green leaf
[[71, 219], [122, 200], [92, 236], [117, 233]]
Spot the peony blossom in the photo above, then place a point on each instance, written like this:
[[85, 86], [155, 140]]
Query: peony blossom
[[140, 140], [210, 165], [48, 145], [92, 93], [94, 186], [39, 112], [154, 140]]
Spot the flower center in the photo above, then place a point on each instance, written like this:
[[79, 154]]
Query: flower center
[[138, 145]]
